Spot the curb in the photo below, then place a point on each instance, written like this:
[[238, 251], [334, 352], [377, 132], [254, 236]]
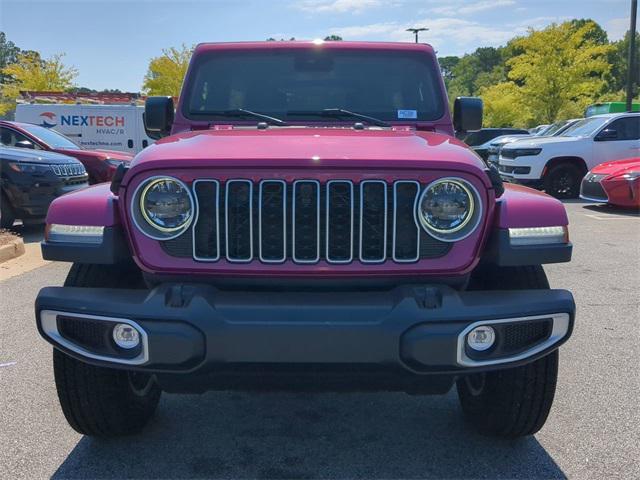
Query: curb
[[13, 249]]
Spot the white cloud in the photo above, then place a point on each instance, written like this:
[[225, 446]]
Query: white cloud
[[458, 8], [337, 6], [616, 28], [449, 34]]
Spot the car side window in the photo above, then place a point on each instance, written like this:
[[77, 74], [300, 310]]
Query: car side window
[[627, 128], [11, 138]]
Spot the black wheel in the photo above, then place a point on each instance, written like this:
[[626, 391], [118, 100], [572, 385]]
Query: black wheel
[[103, 402], [7, 217], [512, 402], [99, 401], [563, 181]]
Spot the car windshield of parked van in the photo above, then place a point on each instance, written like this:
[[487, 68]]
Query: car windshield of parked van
[[52, 138], [297, 85], [585, 127]]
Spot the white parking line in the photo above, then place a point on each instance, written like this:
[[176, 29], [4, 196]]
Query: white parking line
[[610, 217], [8, 364]]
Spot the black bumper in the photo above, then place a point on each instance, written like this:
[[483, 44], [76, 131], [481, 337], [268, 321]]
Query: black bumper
[[200, 330]]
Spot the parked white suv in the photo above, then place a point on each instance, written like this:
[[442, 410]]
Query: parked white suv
[[558, 164]]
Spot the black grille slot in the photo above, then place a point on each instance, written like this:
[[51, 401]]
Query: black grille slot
[[239, 228], [406, 232], [272, 221], [373, 221], [523, 335], [339, 221], [306, 221], [91, 334], [206, 236]]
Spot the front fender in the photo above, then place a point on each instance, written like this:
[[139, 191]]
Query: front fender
[[92, 206], [523, 207], [95, 206]]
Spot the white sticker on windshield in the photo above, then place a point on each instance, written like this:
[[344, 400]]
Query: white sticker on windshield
[[410, 114]]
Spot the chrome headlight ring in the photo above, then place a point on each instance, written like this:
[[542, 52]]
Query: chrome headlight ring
[[471, 220], [145, 223]]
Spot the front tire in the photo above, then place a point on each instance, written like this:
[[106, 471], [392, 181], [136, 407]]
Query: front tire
[[99, 401], [7, 217], [103, 402], [513, 402], [563, 181]]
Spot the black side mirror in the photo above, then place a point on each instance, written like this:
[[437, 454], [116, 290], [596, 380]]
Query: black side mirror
[[467, 114], [158, 116], [25, 144], [607, 134]]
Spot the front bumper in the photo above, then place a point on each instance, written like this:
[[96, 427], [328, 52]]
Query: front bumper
[[195, 328]]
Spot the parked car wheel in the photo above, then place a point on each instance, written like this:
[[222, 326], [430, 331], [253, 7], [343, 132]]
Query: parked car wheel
[[563, 181], [7, 217], [99, 401], [514, 402]]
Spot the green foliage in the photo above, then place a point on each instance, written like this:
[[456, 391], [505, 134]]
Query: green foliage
[[333, 38], [31, 72], [166, 72]]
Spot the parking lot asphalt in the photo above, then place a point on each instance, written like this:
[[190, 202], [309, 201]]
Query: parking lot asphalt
[[593, 430]]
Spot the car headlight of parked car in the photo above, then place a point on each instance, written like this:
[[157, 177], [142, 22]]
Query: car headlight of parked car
[[631, 176], [29, 167], [519, 152], [163, 207], [449, 209], [114, 162]]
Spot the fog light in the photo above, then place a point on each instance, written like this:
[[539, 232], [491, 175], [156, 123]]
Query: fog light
[[126, 336], [481, 338]]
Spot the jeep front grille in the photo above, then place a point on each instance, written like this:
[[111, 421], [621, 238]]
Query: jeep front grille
[[305, 221]]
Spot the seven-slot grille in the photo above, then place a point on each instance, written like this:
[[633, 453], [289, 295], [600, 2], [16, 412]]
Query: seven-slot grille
[[305, 221], [68, 169]]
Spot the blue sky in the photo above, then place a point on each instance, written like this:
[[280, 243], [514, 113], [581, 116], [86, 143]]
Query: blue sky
[[111, 42]]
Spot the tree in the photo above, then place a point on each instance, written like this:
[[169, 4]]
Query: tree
[[503, 106], [31, 72], [166, 72], [561, 70], [333, 38], [8, 55], [620, 68]]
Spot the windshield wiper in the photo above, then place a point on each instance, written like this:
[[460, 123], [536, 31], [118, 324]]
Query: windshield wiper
[[341, 112], [241, 112]]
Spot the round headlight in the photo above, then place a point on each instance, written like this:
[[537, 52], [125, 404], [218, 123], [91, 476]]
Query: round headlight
[[165, 207], [449, 209]]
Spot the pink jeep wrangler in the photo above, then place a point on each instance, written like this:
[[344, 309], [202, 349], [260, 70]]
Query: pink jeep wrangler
[[309, 222]]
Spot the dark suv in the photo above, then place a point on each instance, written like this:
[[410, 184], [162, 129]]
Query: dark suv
[[31, 180]]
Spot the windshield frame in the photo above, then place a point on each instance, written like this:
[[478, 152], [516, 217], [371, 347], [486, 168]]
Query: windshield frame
[[425, 55], [30, 127]]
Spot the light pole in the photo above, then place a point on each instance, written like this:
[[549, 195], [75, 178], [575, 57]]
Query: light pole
[[416, 31], [631, 67]]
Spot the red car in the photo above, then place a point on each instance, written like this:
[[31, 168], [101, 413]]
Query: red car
[[616, 183], [100, 164]]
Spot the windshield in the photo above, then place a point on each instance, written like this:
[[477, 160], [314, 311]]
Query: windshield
[[52, 138], [585, 127], [553, 128], [299, 84]]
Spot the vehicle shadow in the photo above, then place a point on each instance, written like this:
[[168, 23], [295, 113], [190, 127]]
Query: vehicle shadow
[[610, 209], [30, 233], [238, 435]]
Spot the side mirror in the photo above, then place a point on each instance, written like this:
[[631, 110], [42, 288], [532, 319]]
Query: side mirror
[[158, 116], [467, 114], [607, 134], [25, 144]]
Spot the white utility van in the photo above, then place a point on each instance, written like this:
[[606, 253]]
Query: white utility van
[[112, 127]]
